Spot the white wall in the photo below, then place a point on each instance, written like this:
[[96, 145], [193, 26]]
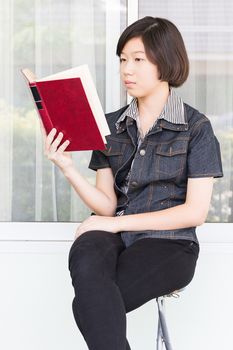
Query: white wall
[[36, 293]]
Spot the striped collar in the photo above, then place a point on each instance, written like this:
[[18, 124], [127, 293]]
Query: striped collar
[[172, 112]]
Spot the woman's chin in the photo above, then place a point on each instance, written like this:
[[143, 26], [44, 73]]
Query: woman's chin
[[130, 93]]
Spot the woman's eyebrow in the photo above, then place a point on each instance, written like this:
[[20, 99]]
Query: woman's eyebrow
[[134, 52]]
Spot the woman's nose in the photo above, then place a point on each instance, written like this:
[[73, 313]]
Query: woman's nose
[[128, 68]]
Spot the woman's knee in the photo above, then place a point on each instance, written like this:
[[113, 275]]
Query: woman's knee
[[82, 252], [88, 252]]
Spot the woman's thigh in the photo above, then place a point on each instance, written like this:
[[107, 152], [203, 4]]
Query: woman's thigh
[[152, 267]]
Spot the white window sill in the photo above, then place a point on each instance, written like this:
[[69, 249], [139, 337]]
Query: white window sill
[[64, 231]]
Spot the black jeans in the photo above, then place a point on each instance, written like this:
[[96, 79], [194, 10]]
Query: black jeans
[[110, 280]]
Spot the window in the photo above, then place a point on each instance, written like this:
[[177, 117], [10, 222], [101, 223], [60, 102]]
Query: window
[[48, 37], [208, 35]]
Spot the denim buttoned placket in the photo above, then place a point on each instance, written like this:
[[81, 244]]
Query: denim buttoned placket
[[132, 132]]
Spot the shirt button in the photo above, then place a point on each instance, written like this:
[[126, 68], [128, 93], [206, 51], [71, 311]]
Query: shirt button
[[134, 183], [142, 152]]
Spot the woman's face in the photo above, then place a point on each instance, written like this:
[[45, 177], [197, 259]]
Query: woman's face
[[138, 74]]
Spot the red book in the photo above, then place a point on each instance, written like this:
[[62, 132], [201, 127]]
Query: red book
[[68, 101]]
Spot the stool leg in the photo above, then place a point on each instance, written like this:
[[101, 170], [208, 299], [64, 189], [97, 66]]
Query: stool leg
[[162, 326], [159, 342]]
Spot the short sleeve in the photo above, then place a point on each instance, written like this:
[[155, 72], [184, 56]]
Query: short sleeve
[[98, 161], [204, 155]]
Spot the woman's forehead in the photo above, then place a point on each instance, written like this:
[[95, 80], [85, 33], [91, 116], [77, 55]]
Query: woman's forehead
[[134, 45]]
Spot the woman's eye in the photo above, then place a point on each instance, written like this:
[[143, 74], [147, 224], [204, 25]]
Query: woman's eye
[[137, 59]]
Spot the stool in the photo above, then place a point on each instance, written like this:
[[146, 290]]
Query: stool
[[162, 330]]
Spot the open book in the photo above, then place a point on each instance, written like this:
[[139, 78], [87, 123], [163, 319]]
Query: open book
[[68, 101]]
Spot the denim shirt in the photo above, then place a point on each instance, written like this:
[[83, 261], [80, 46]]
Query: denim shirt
[[173, 112], [169, 154]]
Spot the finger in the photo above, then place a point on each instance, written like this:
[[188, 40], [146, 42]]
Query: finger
[[77, 234], [56, 142], [49, 139], [63, 146]]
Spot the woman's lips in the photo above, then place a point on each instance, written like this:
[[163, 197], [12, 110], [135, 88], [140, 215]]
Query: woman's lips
[[129, 83]]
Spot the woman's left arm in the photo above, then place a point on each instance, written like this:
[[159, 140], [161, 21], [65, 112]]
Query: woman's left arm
[[192, 213]]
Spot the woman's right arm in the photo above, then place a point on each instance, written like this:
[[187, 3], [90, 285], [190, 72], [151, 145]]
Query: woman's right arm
[[100, 198]]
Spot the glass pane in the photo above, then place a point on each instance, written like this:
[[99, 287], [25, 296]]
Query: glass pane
[[207, 30], [47, 37]]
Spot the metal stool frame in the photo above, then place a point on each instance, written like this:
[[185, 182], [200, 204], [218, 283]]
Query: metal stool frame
[[163, 340]]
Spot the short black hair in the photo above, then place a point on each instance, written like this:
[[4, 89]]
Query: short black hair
[[164, 46]]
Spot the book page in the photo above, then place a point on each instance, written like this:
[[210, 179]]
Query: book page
[[93, 100], [28, 75], [69, 73]]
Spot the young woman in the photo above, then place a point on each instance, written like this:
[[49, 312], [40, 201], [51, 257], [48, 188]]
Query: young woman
[[153, 187]]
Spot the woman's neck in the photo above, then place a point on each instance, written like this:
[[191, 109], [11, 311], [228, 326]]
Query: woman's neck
[[151, 106]]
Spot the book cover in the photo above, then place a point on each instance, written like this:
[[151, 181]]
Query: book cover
[[68, 101]]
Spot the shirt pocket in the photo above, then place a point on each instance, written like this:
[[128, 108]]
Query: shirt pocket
[[171, 158]]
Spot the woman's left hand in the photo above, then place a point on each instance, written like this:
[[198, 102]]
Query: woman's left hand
[[95, 222]]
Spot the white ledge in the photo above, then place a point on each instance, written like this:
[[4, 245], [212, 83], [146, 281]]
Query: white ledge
[[65, 231]]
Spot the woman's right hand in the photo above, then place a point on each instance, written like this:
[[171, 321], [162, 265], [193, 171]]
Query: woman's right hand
[[54, 152]]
